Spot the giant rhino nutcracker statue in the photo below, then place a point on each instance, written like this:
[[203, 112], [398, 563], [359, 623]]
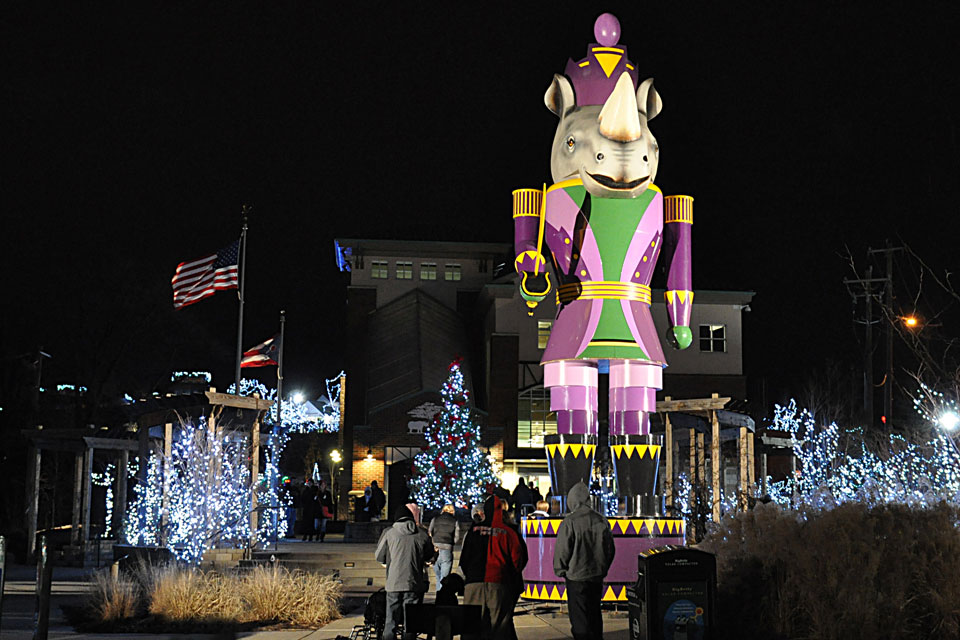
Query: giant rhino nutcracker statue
[[600, 228]]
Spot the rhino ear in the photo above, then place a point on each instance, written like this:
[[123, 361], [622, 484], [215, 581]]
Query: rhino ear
[[559, 97], [648, 99]]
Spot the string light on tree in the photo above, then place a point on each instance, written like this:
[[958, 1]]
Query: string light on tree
[[452, 468]]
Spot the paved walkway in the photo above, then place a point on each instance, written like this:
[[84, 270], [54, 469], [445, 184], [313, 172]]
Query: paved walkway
[[533, 621]]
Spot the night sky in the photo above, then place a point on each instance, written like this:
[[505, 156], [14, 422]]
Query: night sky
[[134, 133]]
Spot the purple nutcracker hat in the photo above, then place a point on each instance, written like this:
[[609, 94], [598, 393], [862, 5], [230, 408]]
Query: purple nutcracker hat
[[595, 76]]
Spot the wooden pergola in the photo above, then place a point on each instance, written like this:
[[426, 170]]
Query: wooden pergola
[[712, 411], [151, 413]]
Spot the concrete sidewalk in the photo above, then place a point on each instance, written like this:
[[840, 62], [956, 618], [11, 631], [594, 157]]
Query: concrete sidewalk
[[533, 621]]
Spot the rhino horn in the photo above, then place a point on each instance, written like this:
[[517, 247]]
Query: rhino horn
[[619, 119]]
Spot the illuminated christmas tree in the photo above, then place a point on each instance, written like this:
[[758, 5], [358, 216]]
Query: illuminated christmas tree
[[452, 468]]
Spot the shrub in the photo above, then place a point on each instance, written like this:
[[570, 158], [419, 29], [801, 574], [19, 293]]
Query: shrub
[[889, 571]]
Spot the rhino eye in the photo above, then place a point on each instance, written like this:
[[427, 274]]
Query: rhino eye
[[571, 143], [599, 157]]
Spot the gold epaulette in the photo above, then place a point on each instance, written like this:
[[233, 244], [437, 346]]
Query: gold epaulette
[[678, 209], [527, 203]]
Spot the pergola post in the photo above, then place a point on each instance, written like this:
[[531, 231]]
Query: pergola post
[[751, 462], [715, 460], [77, 498], [668, 430], [254, 472], [33, 496], [165, 501], [693, 457], [87, 490], [120, 497], [742, 451]]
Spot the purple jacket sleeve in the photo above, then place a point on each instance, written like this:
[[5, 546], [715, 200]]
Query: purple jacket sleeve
[[677, 231], [527, 209]]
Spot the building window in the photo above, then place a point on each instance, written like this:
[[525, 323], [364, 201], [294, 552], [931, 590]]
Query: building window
[[543, 332], [451, 272], [713, 338], [378, 269], [404, 270], [534, 419], [428, 270]]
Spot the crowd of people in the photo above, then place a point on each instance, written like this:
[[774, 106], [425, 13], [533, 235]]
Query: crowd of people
[[492, 558]]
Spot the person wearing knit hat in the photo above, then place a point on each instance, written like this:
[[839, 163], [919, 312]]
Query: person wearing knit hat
[[404, 548]]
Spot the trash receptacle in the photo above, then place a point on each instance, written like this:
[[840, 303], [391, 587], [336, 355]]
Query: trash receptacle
[[675, 595]]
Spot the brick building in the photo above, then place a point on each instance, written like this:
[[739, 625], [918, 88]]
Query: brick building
[[412, 307]]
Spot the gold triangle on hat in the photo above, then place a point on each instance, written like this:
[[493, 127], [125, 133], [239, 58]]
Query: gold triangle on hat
[[617, 450], [588, 449], [669, 296], [623, 525], [609, 595], [623, 594], [636, 526], [555, 594], [649, 524], [642, 450], [563, 450], [608, 61], [682, 295], [575, 448]]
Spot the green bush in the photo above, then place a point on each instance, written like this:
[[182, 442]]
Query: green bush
[[848, 573]]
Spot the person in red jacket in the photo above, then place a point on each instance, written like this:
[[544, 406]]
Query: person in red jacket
[[492, 561]]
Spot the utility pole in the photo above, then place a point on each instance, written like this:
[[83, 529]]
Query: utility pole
[[892, 318], [865, 290]]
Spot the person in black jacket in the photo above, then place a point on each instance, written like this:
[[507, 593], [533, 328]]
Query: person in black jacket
[[583, 554], [324, 509], [309, 506], [521, 496], [445, 533], [378, 500]]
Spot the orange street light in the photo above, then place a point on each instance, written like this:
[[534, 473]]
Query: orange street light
[[911, 321]]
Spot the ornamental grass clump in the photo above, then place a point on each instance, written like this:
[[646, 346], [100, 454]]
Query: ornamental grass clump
[[112, 599], [852, 572], [172, 597], [292, 597]]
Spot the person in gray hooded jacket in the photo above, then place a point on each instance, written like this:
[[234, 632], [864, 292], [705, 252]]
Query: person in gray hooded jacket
[[405, 548], [582, 557]]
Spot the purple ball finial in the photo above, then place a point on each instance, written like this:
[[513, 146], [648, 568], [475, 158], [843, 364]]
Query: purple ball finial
[[607, 29]]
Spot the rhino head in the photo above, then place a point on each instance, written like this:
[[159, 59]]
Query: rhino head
[[608, 146]]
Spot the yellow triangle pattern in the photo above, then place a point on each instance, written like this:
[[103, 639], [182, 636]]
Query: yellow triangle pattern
[[609, 594], [551, 449], [669, 296], [575, 448], [623, 525], [649, 524], [563, 449], [555, 594], [636, 526], [682, 295], [608, 61]]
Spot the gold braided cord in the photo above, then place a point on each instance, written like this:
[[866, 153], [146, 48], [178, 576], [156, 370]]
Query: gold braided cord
[[604, 290]]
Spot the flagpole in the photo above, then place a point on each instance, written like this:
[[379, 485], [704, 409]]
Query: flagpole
[[283, 319], [243, 277], [277, 425]]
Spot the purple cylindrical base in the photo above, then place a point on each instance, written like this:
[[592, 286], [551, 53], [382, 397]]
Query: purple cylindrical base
[[632, 536]]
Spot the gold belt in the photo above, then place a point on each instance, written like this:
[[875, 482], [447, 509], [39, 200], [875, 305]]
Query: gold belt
[[603, 290]]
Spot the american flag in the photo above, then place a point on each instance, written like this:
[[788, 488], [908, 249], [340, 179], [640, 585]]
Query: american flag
[[199, 279], [262, 355]]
